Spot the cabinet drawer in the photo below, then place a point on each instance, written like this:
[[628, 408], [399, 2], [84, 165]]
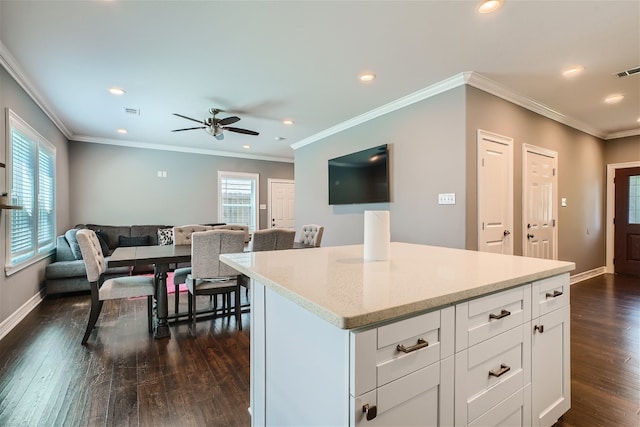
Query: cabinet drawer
[[490, 372], [486, 317], [550, 294], [392, 351], [514, 411]]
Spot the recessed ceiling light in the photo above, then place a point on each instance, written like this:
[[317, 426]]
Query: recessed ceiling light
[[279, 138], [488, 6], [638, 119], [122, 131], [573, 71], [116, 91], [614, 99], [288, 122], [367, 77], [246, 147]]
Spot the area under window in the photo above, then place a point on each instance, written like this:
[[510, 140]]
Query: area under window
[[31, 167], [238, 198], [634, 199]]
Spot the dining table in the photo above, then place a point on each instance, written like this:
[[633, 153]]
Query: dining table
[[161, 256]]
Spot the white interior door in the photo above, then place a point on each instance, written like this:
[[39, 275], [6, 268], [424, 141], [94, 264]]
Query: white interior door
[[495, 193], [282, 203], [539, 209]]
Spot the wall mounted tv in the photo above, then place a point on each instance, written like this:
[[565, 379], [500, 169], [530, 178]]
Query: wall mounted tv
[[361, 177]]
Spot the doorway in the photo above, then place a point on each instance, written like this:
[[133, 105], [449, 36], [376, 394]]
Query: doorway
[[627, 221], [539, 209], [282, 203], [495, 193]]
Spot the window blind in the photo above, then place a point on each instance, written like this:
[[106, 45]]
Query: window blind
[[238, 199]]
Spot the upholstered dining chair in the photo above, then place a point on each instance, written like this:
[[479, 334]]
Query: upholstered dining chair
[[101, 290], [311, 234], [240, 227], [208, 275], [272, 239], [182, 236]]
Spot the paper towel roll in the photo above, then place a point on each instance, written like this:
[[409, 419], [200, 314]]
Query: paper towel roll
[[377, 235]]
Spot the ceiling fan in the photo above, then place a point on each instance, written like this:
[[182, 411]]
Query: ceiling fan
[[215, 126]]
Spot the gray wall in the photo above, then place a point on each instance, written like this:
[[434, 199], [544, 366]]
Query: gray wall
[[433, 150], [622, 150], [21, 286], [116, 185], [427, 157], [581, 175]]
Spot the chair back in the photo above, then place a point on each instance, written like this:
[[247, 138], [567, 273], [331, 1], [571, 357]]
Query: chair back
[[272, 239], [236, 227], [311, 234], [91, 254], [182, 234], [206, 246]]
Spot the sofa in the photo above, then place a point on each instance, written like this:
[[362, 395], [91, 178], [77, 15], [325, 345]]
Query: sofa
[[67, 273]]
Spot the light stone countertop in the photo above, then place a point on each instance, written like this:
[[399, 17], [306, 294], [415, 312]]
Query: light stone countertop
[[336, 283]]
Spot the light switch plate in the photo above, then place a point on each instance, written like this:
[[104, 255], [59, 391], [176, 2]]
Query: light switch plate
[[447, 198], [563, 202]]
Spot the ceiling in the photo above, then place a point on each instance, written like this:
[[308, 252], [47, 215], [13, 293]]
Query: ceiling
[[266, 61]]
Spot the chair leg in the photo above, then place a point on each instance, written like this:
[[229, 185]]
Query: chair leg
[[192, 310], [238, 308], [96, 306], [176, 295], [150, 313]]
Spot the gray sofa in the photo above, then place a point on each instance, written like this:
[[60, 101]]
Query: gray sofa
[[67, 273]]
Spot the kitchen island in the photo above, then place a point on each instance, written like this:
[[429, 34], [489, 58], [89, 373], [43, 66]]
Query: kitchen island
[[434, 336]]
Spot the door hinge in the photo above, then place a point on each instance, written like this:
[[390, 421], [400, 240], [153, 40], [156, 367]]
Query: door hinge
[[554, 222], [614, 260], [483, 162], [554, 171], [483, 225], [614, 221]]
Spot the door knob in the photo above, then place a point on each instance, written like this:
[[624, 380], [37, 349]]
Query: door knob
[[530, 236], [506, 232]]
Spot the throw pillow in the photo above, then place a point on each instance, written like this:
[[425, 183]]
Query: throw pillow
[[70, 235], [124, 241], [165, 236], [104, 242]]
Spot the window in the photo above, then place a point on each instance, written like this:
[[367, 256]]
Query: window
[[238, 198], [31, 183], [634, 199]]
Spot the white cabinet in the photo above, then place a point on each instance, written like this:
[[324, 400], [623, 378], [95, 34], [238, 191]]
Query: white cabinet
[[551, 376]]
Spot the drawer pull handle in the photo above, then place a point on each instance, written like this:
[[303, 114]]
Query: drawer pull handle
[[503, 313], [539, 328], [371, 411], [503, 370], [421, 344], [554, 294]]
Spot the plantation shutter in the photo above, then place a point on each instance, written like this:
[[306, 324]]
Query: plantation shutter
[[238, 199], [23, 155], [46, 199]]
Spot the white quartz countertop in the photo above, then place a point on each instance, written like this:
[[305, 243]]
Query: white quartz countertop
[[336, 283]]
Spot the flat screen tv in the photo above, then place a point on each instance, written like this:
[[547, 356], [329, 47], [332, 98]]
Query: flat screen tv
[[361, 177]]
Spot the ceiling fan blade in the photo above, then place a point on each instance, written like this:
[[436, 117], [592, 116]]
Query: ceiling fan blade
[[228, 120], [180, 130], [239, 130], [189, 118]]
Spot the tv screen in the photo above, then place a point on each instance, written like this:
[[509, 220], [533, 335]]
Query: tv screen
[[361, 177]]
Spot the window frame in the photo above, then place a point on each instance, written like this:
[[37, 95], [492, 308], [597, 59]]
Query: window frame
[[256, 199], [39, 248]]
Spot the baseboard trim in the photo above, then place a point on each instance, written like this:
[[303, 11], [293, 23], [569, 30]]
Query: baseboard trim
[[586, 275], [12, 321]]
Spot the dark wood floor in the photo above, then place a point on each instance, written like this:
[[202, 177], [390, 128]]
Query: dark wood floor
[[125, 377]]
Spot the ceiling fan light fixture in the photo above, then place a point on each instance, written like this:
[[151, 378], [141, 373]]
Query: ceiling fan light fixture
[[488, 6]]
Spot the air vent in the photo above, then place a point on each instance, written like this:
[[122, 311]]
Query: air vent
[[131, 111], [628, 72]]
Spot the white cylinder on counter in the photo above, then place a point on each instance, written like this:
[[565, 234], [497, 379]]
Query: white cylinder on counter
[[377, 235]]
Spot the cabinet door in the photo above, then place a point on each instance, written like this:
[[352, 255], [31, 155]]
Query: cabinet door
[[551, 376], [423, 398]]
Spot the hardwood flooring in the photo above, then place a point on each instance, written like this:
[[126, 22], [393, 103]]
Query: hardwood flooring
[[125, 377]]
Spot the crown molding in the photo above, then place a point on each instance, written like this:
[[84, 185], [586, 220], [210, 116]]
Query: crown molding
[[15, 71], [428, 92], [623, 134], [175, 148]]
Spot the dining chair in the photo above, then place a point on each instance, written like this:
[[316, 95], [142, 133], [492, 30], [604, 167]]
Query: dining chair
[[208, 275], [182, 236], [272, 239], [117, 288], [311, 234], [241, 227]]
